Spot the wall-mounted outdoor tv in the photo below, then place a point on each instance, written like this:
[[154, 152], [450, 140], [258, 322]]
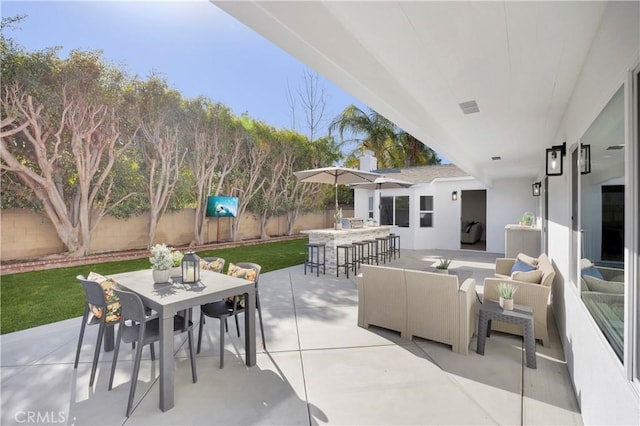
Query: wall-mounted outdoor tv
[[221, 206]]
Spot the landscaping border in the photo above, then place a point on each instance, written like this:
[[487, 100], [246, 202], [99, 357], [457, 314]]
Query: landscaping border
[[62, 261]]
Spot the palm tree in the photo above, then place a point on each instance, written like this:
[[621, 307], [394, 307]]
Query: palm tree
[[378, 133], [392, 146], [415, 153]]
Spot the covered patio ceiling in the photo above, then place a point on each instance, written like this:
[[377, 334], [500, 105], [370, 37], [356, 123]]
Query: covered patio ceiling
[[416, 62]]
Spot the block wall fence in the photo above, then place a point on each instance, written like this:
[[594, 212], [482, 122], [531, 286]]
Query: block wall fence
[[28, 235]]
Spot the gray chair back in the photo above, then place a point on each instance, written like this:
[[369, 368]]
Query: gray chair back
[[94, 294], [131, 307]]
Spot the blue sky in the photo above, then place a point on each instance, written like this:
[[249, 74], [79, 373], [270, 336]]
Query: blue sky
[[199, 49]]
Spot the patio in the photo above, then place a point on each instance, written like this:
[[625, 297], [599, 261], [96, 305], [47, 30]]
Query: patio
[[320, 368]]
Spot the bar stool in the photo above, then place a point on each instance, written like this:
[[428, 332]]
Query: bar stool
[[360, 256], [349, 251], [311, 249], [394, 245], [383, 248], [372, 251]]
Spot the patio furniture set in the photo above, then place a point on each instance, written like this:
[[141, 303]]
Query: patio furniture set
[[147, 313], [424, 304], [441, 308]]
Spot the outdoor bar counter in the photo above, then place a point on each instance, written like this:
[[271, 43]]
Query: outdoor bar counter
[[333, 237]]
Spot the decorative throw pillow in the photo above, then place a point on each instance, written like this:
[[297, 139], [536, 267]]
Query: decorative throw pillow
[[216, 265], [533, 277], [602, 286], [585, 263], [592, 272], [113, 303], [520, 266], [532, 261], [238, 272]]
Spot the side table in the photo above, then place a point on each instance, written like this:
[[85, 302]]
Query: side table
[[520, 315]]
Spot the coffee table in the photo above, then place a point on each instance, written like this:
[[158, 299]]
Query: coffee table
[[520, 315]]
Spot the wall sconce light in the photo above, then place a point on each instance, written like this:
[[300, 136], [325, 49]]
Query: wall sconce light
[[535, 188], [585, 159], [454, 195], [554, 159]]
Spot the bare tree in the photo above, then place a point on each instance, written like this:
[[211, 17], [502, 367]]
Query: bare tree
[[313, 99]]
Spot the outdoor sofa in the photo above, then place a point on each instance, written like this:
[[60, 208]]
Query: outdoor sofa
[[415, 303]]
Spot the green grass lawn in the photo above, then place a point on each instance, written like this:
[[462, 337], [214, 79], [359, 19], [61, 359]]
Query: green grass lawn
[[30, 299]]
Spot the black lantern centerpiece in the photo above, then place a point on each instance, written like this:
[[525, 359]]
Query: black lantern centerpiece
[[190, 268]]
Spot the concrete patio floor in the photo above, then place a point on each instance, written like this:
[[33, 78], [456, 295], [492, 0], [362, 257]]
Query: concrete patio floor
[[320, 368]]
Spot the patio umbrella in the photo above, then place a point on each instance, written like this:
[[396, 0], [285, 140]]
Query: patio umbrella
[[380, 183], [336, 175]]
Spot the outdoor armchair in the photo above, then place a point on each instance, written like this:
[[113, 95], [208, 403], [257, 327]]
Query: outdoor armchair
[[531, 294]]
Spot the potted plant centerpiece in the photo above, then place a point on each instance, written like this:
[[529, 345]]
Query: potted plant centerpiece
[[506, 292], [161, 263], [443, 266], [176, 268]]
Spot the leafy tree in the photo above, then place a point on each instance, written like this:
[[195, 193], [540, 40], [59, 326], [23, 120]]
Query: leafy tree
[[156, 110], [246, 180], [213, 151], [60, 136]]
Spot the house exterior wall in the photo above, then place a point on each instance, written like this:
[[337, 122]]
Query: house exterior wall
[[507, 200], [605, 394]]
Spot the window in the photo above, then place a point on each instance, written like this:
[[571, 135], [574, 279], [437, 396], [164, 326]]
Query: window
[[602, 214], [395, 211], [426, 211], [370, 208]]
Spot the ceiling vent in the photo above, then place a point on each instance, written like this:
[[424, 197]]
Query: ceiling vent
[[615, 147], [496, 158], [469, 107]]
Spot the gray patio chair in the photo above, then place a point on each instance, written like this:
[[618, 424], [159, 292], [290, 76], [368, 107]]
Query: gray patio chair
[[137, 327], [94, 296], [223, 309]]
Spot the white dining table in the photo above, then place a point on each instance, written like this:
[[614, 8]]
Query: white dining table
[[167, 299]]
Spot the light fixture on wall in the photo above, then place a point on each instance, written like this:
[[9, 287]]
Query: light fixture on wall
[[585, 159], [554, 159], [535, 188], [454, 195]]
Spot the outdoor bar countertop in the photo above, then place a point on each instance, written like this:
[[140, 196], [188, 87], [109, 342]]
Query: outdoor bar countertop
[[333, 237]]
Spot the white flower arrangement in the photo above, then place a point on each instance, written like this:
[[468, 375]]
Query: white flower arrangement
[[177, 256], [161, 257]]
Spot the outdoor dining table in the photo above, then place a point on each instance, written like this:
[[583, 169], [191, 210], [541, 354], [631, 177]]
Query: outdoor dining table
[[167, 299]]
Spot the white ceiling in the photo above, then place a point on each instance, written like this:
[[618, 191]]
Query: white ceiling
[[414, 62]]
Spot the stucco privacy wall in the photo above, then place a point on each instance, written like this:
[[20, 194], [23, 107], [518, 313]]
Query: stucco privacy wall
[[605, 395], [28, 235]]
